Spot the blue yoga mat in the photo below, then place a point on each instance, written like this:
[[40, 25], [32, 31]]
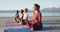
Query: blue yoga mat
[[18, 30], [28, 30]]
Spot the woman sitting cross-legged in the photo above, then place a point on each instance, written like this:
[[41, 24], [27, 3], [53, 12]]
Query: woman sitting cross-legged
[[25, 17], [21, 16], [35, 23], [17, 16]]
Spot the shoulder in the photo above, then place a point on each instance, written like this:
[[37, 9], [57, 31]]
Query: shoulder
[[39, 14]]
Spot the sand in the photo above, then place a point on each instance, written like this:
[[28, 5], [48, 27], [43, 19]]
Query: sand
[[53, 21]]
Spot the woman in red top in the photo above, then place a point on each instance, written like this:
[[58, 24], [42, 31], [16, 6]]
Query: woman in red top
[[36, 24]]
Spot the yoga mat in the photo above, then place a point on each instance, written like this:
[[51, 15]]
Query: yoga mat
[[18, 30], [28, 30], [11, 25]]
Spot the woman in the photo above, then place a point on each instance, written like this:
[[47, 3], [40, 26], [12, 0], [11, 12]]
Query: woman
[[21, 16], [17, 16], [25, 17], [36, 24]]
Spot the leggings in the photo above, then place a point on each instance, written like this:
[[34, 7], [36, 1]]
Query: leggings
[[36, 26]]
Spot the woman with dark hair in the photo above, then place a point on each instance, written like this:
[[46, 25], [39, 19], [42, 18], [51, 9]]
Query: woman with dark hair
[[36, 24], [17, 16], [25, 17], [21, 16]]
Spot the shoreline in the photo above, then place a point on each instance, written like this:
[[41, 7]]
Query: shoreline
[[43, 18]]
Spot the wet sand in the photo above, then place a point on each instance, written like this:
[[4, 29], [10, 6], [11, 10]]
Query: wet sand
[[53, 21]]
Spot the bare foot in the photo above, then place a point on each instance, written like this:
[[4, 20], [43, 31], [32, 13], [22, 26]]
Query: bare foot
[[32, 29], [20, 23]]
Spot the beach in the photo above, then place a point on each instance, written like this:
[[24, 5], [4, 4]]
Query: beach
[[48, 11], [52, 22]]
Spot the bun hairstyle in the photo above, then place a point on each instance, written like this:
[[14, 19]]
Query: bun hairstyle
[[38, 6]]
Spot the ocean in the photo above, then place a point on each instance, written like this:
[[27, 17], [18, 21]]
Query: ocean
[[11, 13]]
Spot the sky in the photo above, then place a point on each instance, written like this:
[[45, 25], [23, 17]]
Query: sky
[[21, 4]]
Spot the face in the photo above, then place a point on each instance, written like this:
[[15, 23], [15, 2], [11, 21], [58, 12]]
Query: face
[[26, 10], [35, 8]]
